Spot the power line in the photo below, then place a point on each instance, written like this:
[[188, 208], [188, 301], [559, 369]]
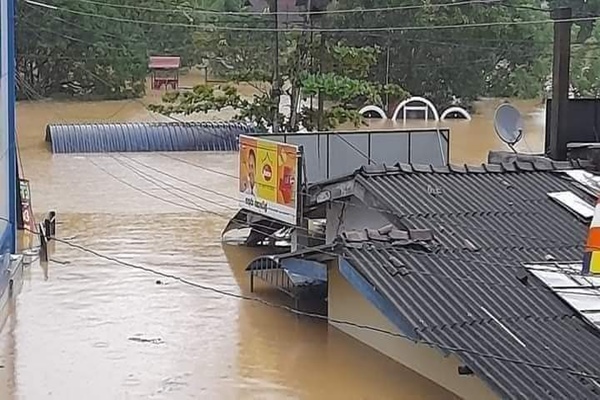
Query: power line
[[182, 180], [203, 209], [188, 9], [312, 29], [154, 182], [294, 311], [411, 251], [214, 171]]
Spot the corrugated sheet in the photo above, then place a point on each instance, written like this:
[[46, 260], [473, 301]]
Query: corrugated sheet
[[136, 137], [466, 286], [164, 62]]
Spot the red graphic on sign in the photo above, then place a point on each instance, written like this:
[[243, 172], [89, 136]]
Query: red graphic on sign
[[267, 172]]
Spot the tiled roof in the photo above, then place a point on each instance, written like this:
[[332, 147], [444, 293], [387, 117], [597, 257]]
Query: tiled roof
[[464, 287]]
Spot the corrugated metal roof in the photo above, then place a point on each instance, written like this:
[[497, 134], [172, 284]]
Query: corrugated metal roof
[[464, 288], [581, 292], [164, 62], [136, 137]]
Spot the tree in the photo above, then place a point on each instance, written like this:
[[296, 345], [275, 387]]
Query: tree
[[342, 81], [454, 64], [95, 48], [580, 9]]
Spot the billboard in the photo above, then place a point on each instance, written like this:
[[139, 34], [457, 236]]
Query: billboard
[[268, 178]]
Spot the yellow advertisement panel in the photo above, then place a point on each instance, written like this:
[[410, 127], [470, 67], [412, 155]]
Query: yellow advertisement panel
[[268, 178]]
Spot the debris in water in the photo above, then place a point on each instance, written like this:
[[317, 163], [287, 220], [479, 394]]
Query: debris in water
[[59, 261], [146, 340], [159, 282]]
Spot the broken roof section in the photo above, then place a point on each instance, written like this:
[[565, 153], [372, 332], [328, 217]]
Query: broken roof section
[[581, 292], [464, 289]]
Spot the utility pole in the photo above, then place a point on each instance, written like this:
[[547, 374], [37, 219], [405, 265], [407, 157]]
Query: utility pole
[[321, 95], [275, 91], [560, 83]]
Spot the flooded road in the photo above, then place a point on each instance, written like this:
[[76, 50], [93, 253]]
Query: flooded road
[[87, 327]]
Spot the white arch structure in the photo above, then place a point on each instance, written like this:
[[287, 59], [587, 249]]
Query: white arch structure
[[428, 105], [378, 110], [458, 110]]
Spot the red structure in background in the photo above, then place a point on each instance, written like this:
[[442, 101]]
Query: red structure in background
[[165, 71]]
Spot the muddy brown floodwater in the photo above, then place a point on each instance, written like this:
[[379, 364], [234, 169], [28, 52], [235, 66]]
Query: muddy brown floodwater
[[88, 328]]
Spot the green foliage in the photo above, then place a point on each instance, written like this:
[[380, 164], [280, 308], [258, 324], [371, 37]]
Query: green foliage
[[580, 9], [64, 53], [309, 67], [448, 64], [60, 53]]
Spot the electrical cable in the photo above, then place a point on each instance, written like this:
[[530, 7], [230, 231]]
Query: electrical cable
[[188, 9], [214, 171], [312, 29], [409, 251], [294, 311], [340, 322], [344, 203], [155, 181], [200, 209], [226, 196]]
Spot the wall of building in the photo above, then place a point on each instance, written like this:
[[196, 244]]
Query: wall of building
[[341, 217], [346, 304]]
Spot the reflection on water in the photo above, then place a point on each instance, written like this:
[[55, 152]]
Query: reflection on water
[[89, 328]]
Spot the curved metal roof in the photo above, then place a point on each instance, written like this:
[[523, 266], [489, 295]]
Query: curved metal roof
[[154, 136]]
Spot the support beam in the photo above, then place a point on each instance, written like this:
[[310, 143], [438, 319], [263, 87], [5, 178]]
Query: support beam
[[559, 136]]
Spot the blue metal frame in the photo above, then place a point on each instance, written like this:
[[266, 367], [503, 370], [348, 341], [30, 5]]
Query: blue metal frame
[[12, 137], [384, 306]]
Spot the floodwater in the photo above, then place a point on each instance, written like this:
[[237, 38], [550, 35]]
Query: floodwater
[[87, 327]]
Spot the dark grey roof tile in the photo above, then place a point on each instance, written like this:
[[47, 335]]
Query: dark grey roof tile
[[405, 167], [562, 165], [355, 236], [397, 234], [509, 167], [385, 230], [458, 168], [543, 165], [373, 234], [422, 168], [477, 169], [391, 169], [493, 168], [524, 166], [421, 234], [373, 169], [441, 169]]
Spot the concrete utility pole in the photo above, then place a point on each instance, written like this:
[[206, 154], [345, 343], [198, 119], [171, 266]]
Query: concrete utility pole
[[560, 84], [275, 88]]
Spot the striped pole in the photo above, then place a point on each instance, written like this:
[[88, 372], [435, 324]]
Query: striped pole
[[591, 258]]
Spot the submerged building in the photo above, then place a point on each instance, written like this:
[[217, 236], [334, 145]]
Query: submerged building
[[432, 267]]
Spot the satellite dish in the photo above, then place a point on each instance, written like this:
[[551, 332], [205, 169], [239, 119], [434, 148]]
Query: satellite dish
[[508, 124]]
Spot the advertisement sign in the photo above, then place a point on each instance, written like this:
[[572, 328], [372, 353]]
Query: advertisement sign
[[268, 178], [28, 221]]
